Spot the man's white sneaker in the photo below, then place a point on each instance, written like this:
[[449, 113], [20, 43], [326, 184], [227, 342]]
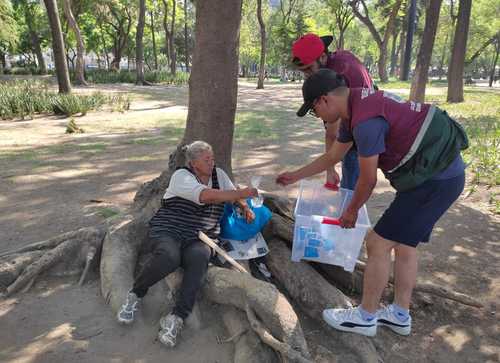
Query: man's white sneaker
[[350, 320], [387, 317], [170, 327], [126, 313]]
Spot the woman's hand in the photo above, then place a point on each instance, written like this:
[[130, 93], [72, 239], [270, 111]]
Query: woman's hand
[[248, 214], [286, 178], [247, 193], [348, 218]]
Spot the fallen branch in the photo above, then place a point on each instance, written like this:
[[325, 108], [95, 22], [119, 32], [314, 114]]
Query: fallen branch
[[88, 260]]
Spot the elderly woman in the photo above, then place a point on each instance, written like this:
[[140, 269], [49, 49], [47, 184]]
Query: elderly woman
[[193, 201]]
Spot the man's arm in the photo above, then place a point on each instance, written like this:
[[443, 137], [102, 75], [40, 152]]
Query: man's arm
[[364, 187]]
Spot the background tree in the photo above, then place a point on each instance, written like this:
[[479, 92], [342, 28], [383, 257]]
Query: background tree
[[262, 64], [343, 15], [381, 36], [406, 65], [139, 44], [213, 83], [8, 31], [456, 66], [80, 52], [58, 47], [117, 14], [424, 57]]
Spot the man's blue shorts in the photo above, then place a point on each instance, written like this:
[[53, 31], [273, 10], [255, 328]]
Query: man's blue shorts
[[412, 215]]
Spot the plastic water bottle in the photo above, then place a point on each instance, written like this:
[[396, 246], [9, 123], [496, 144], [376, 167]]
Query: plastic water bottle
[[257, 201]]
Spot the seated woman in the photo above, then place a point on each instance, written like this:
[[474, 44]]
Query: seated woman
[[193, 201]]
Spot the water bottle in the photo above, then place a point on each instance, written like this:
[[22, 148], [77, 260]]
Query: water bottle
[[257, 201]]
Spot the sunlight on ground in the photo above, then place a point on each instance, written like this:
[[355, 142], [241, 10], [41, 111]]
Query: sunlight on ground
[[456, 338], [44, 343]]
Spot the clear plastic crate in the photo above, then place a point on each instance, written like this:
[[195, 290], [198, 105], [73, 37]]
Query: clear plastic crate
[[317, 237]]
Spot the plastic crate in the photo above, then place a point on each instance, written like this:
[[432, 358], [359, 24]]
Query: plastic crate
[[317, 235]]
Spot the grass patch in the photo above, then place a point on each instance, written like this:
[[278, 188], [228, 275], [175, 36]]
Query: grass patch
[[106, 212], [125, 76], [148, 141], [92, 147], [142, 158], [21, 99]]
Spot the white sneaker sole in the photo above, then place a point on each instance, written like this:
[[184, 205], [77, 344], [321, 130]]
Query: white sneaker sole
[[366, 331], [401, 330], [124, 321]]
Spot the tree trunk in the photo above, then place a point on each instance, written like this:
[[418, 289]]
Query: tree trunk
[[155, 54], [35, 40], [186, 40], [394, 55], [58, 47], [420, 77], [401, 51], [495, 61], [262, 67], [213, 84], [167, 32], [456, 67], [382, 63], [173, 60], [139, 44], [412, 12], [80, 49], [381, 41]]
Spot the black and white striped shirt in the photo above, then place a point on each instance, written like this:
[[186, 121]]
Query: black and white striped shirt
[[182, 217]]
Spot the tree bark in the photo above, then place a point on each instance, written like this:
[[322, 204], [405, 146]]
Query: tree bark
[[420, 78], [152, 26], [173, 56], [412, 12], [165, 28], [495, 61], [80, 48], [213, 83], [457, 60], [394, 55], [139, 44], [186, 40], [262, 66], [58, 47]]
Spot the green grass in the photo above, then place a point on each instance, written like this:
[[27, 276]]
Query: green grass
[[21, 99], [106, 212], [480, 116]]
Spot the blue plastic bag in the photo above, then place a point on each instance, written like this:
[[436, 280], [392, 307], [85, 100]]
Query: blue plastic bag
[[234, 226]]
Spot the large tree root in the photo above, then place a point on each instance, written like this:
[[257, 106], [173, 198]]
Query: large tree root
[[229, 287], [314, 294], [282, 227], [248, 348], [65, 254]]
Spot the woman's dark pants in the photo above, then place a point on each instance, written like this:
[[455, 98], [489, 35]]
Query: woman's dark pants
[[169, 254]]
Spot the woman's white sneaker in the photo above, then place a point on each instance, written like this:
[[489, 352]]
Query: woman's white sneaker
[[350, 320], [128, 309], [387, 317]]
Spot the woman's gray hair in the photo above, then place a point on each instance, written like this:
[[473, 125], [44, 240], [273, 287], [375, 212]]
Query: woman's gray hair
[[195, 149]]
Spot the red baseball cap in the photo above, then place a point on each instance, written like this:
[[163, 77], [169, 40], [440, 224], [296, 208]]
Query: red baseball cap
[[307, 49]]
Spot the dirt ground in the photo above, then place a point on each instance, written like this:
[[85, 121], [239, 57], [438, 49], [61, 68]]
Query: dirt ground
[[51, 182]]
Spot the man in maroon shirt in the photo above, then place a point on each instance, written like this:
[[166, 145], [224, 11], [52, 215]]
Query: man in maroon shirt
[[417, 146], [310, 54]]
